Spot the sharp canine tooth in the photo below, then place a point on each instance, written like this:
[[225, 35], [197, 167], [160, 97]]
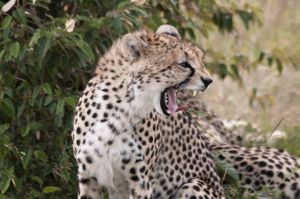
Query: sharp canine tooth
[[195, 93]]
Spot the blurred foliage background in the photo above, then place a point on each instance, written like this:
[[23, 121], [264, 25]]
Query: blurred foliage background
[[48, 52]]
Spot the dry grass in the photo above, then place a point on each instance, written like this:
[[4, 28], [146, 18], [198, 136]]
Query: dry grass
[[277, 96]]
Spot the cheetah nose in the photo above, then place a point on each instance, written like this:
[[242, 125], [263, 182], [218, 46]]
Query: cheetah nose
[[206, 81]]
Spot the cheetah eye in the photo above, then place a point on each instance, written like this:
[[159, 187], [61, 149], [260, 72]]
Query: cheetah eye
[[185, 65]]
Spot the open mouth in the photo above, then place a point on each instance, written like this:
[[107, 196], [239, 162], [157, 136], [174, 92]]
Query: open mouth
[[168, 99]]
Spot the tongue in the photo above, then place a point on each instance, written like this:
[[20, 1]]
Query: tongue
[[172, 105]]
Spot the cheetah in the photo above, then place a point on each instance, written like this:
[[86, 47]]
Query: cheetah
[[262, 168], [258, 168], [128, 112]]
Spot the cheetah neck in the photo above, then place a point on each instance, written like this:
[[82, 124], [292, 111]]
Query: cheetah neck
[[121, 92], [121, 106]]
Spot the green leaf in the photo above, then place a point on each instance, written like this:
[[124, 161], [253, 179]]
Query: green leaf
[[25, 131], [32, 126], [246, 17], [20, 16], [223, 72], [47, 88], [6, 22], [7, 107], [37, 179], [26, 158], [48, 100], [14, 49], [1, 54], [71, 101], [227, 170], [279, 65], [35, 194], [235, 71], [51, 189], [40, 155], [261, 56], [5, 182], [123, 4], [86, 49], [35, 38], [270, 61], [3, 128], [36, 91], [227, 21], [174, 2], [44, 45], [117, 23], [60, 107]]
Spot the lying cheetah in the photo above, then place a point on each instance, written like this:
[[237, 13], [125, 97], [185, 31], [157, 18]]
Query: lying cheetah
[[258, 167], [123, 138]]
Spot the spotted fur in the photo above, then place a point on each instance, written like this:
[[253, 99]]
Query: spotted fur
[[259, 168], [122, 143], [121, 138]]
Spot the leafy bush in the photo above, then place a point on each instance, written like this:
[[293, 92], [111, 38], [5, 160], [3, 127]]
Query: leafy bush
[[48, 52]]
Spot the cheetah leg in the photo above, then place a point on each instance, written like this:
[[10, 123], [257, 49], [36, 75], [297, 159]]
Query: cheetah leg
[[121, 189], [196, 188], [140, 189], [133, 169], [129, 166], [88, 188], [139, 186]]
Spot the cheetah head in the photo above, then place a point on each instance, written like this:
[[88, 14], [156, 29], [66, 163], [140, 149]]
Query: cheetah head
[[191, 60], [159, 64]]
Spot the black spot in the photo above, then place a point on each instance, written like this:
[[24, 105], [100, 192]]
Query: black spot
[[105, 97], [110, 142], [294, 186], [270, 173], [109, 106], [134, 178], [281, 186], [130, 144], [132, 170], [84, 181], [249, 168], [78, 130], [262, 163], [125, 160], [98, 106], [239, 158], [248, 181], [89, 159], [86, 197], [94, 115], [196, 188], [280, 175], [142, 169]]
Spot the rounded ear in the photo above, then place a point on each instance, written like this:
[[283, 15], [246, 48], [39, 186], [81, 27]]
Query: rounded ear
[[169, 30], [133, 46]]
